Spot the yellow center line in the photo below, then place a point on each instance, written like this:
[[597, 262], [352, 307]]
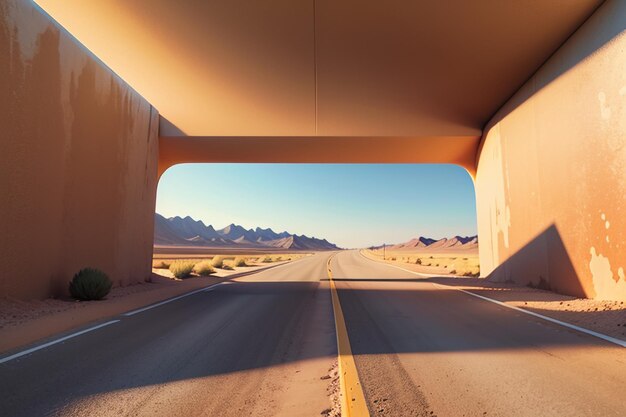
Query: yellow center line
[[352, 399]]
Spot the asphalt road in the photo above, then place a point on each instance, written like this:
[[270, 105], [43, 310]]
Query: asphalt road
[[420, 348], [260, 345], [257, 347]]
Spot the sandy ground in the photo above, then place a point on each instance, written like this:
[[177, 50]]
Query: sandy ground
[[25, 322], [608, 317], [449, 261], [334, 391]]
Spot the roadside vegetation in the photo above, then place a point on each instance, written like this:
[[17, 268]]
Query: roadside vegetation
[[213, 264], [204, 268], [90, 284], [240, 262], [161, 264], [464, 264], [182, 268], [217, 262]]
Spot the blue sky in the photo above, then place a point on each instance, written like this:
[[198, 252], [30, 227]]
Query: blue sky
[[352, 205]]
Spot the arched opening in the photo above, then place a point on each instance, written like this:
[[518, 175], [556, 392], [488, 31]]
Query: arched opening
[[418, 215]]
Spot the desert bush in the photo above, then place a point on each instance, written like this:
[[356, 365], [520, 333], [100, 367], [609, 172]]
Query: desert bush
[[161, 264], [240, 261], [90, 284], [267, 259], [437, 265], [204, 268], [279, 258], [393, 258], [217, 262], [418, 261], [453, 271], [181, 268], [227, 267]]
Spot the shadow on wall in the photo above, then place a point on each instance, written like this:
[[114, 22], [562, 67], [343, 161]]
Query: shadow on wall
[[597, 32], [542, 263]]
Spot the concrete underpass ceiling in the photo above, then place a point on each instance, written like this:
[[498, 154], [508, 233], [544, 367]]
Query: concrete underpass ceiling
[[324, 67]]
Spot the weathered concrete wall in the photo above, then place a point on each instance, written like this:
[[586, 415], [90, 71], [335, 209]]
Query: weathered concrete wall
[[78, 161], [551, 177]]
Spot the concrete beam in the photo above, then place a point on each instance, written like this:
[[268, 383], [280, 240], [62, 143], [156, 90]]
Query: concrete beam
[[458, 150]]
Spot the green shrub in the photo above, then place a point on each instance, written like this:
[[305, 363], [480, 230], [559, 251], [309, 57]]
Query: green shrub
[[240, 261], [182, 269], [217, 262], [204, 268], [90, 284]]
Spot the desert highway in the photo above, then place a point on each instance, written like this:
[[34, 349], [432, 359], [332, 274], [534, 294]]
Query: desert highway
[[261, 345]]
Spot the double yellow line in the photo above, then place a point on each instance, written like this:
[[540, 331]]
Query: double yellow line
[[352, 399]]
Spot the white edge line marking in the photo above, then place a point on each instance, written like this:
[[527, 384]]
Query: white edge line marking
[[131, 313], [604, 337], [150, 307], [607, 338], [54, 342]]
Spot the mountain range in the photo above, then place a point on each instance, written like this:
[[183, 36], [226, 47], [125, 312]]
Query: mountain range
[[428, 244], [179, 231]]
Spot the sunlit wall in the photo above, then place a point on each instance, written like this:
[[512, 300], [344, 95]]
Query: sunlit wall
[[551, 180]]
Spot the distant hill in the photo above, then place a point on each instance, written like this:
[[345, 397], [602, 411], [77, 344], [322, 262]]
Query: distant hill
[[427, 244], [187, 231]]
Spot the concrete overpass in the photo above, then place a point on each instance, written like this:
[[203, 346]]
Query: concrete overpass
[[528, 96]]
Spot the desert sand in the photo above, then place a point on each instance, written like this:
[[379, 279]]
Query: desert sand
[[450, 261]]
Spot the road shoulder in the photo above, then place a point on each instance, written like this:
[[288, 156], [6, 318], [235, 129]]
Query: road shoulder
[[25, 322], [606, 317]]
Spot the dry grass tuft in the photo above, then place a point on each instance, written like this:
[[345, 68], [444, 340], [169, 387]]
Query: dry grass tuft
[[182, 268], [239, 261], [217, 262], [204, 268]]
